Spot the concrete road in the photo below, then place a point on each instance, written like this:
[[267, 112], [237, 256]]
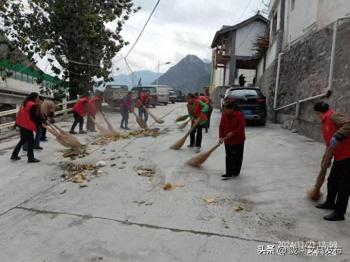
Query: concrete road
[[121, 216]]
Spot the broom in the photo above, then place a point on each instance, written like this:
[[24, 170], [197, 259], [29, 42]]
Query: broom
[[315, 193], [140, 121], [103, 131], [182, 141], [110, 127], [182, 126], [155, 118], [198, 160], [181, 118], [66, 137]]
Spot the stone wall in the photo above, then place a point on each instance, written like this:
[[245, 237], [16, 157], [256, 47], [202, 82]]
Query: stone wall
[[304, 73]]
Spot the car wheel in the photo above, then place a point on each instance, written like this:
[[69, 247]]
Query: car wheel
[[262, 122], [165, 104], [173, 102], [154, 105]]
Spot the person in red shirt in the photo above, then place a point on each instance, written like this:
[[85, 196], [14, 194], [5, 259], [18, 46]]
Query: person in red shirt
[[80, 109], [95, 105], [27, 121], [232, 133], [336, 134], [143, 102]]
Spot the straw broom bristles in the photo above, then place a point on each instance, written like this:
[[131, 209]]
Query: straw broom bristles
[[155, 118], [198, 160], [140, 121], [103, 131], [182, 141], [63, 137], [110, 127], [315, 193], [182, 126], [181, 118]]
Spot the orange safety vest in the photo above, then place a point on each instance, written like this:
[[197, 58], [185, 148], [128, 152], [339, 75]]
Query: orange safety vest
[[342, 151], [23, 117], [79, 106]]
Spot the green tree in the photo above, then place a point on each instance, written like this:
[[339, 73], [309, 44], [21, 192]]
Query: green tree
[[82, 35]]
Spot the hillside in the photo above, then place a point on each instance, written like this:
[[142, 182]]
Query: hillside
[[147, 77]]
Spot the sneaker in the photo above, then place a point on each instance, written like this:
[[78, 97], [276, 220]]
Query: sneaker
[[15, 158], [325, 205], [197, 149], [43, 140], [82, 132], [226, 177], [121, 127], [38, 148], [190, 146], [34, 160], [72, 132], [126, 128]]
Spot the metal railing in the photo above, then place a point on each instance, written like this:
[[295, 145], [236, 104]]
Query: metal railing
[[64, 111]]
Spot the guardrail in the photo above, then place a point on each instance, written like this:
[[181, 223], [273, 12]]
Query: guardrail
[[65, 110]]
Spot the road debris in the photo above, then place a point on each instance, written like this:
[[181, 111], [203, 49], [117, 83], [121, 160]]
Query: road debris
[[168, 186], [81, 173], [74, 153], [101, 163], [210, 200], [133, 134], [147, 172], [239, 209]]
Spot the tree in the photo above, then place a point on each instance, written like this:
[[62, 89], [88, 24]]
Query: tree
[[81, 35]]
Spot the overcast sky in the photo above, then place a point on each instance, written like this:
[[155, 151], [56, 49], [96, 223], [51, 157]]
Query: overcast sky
[[178, 28]]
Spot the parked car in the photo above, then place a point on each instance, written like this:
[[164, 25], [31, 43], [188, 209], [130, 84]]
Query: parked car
[[163, 94], [251, 102], [113, 94], [172, 95], [151, 89], [180, 97]]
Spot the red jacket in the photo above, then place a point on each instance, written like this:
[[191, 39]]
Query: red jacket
[[23, 117], [95, 104], [143, 100], [204, 99], [234, 124], [81, 107], [342, 151], [196, 111]]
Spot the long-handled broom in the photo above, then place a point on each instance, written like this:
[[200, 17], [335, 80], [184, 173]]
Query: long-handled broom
[[181, 118], [103, 131], [155, 118], [67, 137], [182, 126], [182, 141], [315, 193], [198, 160], [140, 121], [110, 127]]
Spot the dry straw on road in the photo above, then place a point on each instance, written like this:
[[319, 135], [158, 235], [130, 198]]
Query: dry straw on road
[[198, 160], [182, 141]]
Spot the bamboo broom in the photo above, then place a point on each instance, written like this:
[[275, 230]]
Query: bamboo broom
[[155, 118], [110, 127], [58, 136], [65, 137], [182, 126], [103, 131], [140, 121], [198, 160], [315, 193], [181, 118], [182, 141]]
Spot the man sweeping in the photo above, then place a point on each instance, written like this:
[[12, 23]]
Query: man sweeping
[[336, 133], [143, 101], [95, 105], [80, 110], [232, 133], [197, 110], [125, 108]]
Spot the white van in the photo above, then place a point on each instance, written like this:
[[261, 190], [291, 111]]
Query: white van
[[163, 94]]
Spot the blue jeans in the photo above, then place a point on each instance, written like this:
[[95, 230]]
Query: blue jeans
[[36, 139]]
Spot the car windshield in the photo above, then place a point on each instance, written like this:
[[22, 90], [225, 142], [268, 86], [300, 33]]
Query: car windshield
[[244, 93], [151, 89], [117, 87]]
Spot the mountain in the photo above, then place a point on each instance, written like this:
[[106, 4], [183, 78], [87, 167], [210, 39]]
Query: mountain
[[147, 77], [191, 74]]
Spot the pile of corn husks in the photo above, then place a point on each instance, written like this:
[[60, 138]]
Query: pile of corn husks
[[81, 173], [136, 133]]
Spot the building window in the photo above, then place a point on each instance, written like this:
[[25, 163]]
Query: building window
[[292, 5]]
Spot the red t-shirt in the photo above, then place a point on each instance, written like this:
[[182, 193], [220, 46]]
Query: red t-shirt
[[234, 124]]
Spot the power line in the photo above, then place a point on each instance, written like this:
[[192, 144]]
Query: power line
[[243, 13], [143, 29]]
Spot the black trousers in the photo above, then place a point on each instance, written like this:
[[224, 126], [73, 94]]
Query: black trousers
[[234, 159], [78, 119], [143, 113], [209, 116], [43, 134], [27, 136], [90, 126], [196, 136], [338, 186], [125, 118]]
